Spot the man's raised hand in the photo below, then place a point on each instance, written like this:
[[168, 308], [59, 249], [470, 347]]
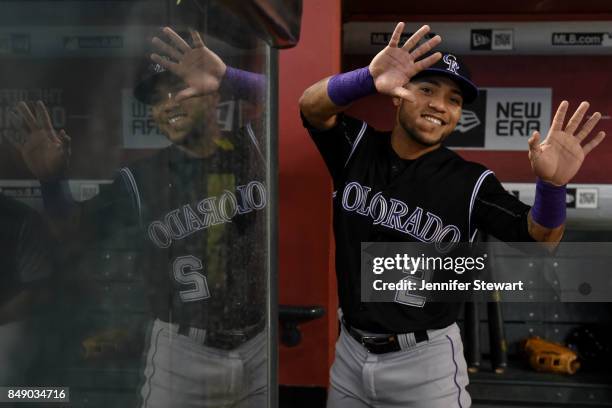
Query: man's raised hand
[[200, 68], [394, 66], [559, 157], [45, 151]]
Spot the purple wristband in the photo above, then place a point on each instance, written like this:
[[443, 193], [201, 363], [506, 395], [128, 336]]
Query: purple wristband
[[348, 87], [244, 84], [549, 205]]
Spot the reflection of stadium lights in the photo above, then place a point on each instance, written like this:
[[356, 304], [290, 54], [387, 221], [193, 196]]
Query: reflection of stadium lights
[[178, 2]]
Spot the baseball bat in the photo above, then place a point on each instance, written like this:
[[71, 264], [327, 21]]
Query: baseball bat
[[472, 337], [497, 338]]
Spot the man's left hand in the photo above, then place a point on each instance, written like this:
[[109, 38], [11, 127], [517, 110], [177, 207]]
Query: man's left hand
[[558, 158]]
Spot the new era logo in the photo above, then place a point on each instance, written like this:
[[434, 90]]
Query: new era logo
[[468, 121], [470, 130], [492, 40], [480, 40]]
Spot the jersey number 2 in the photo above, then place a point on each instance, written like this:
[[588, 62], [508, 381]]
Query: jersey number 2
[[187, 271], [406, 297]]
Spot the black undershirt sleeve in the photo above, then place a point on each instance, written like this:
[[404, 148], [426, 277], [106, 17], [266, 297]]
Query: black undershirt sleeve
[[499, 213]]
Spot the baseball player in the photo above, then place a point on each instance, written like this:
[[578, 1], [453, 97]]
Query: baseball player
[[404, 186], [200, 206]]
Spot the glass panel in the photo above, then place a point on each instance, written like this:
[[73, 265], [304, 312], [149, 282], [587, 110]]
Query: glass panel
[[141, 279]]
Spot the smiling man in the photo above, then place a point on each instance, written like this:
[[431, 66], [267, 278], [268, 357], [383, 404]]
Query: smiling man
[[404, 186], [189, 123]]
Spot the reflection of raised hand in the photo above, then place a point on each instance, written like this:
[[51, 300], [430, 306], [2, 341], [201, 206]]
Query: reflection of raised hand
[[45, 151], [200, 68], [559, 157], [393, 67]]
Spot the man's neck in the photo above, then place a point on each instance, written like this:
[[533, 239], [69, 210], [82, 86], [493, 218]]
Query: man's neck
[[406, 147], [202, 145]]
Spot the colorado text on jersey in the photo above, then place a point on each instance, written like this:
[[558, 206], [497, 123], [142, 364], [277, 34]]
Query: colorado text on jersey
[[185, 220], [389, 213]]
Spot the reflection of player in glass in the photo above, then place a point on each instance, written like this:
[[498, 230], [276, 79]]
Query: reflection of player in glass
[[412, 189], [199, 203], [25, 271]]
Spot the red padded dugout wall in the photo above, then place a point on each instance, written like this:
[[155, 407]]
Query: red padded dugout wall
[[305, 242]]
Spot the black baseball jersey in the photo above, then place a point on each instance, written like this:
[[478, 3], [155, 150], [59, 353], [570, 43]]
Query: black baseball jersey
[[197, 224], [379, 197], [26, 248]]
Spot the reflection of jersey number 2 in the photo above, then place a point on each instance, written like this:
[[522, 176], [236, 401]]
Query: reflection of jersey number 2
[[186, 271]]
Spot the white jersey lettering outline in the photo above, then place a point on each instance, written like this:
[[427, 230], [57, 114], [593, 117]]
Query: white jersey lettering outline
[[354, 199], [184, 221]]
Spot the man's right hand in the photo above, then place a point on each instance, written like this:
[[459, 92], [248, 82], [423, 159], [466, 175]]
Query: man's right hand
[[393, 67], [391, 70], [200, 68], [45, 151]]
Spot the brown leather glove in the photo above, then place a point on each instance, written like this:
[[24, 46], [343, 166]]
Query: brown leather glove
[[546, 356], [109, 343]]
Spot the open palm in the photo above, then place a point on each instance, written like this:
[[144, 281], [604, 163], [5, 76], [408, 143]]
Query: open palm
[[394, 66], [200, 68], [559, 157], [45, 151]]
